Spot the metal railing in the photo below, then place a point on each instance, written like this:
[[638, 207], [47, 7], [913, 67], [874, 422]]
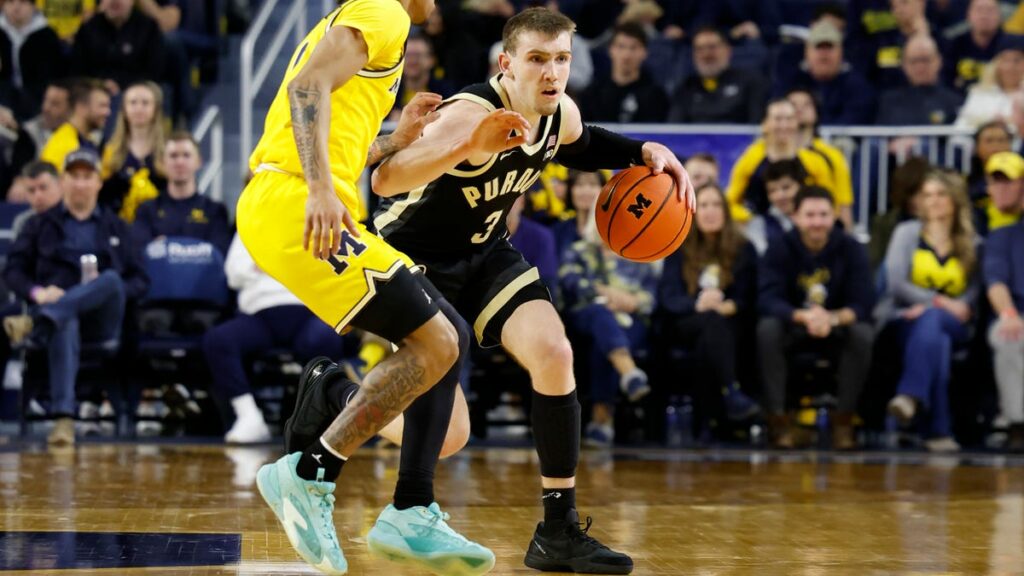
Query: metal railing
[[211, 177], [253, 74]]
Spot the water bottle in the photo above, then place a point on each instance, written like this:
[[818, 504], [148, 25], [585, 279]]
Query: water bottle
[[824, 427], [673, 431], [90, 267]]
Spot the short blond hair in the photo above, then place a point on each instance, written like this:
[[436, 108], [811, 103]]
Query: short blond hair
[[539, 20]]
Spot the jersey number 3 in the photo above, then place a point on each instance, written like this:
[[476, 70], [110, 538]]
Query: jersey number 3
[[491, 222]]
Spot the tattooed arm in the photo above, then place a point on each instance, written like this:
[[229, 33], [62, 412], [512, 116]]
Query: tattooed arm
[[337, 57], [419, 112]]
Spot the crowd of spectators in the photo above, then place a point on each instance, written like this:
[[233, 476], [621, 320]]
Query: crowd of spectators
[[770, 276]]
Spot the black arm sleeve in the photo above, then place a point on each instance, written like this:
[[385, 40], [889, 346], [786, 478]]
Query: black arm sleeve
[[598, 149]]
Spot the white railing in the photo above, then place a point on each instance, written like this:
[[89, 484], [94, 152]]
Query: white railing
[[253, 74], [211, 177]]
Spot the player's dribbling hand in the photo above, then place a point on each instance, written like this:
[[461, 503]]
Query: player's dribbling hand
[[325, 216], [661, 159], [419, 112], [494, 132]]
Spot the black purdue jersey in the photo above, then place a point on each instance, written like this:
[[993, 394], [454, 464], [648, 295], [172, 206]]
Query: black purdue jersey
[[464, 210]]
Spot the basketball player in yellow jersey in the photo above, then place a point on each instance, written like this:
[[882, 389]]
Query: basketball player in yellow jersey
[[339, 87]]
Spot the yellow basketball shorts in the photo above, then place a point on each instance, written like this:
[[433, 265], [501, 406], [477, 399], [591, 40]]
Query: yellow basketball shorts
[[271, 215]]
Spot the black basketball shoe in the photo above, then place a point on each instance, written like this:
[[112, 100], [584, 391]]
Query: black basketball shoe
[[313, 413], [572, 550]]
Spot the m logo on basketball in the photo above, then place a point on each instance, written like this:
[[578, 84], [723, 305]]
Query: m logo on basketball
[[338, 261], [638, 206]]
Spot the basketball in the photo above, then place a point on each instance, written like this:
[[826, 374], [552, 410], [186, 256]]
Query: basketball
[[639, 215]]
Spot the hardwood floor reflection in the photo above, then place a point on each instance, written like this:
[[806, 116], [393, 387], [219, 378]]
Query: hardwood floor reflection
[[676, 513]]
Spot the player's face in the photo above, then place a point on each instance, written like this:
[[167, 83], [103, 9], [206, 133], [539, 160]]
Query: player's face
[[539, 69], [43, 192], [710, 211], [419, 10], [815, 219], [781, 193], [182, 161], [139, 106], [585, 190]]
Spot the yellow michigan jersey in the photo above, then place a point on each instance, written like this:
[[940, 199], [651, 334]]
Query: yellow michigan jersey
[[272, 210]]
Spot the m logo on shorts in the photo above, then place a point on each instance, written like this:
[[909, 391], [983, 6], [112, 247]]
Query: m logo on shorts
[[638, 206], [348, 242]]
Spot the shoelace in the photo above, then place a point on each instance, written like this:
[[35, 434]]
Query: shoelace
[[442, 520], [326, 505], [581, 533]]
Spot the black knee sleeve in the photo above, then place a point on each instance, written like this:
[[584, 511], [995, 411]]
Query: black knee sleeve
[[556, 431]]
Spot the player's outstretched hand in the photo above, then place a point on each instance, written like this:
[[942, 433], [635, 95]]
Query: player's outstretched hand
[[661, 159], [325, 216], [419, 112], [494, 133]]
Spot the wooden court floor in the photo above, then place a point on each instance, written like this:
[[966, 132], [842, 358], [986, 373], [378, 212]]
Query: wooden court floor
[[193, 509]]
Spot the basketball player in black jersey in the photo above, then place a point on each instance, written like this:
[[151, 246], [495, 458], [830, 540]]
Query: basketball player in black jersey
[[446, 198]]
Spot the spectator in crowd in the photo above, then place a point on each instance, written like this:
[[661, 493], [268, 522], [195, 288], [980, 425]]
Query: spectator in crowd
[[718, 93], [706, 294], [866, 20], [547, 198], [535, 242], [17, 192], [924, 101], [628, 94], [931, 291], [418, 75], [807, 120], [584, 188], [269, 317], [782, 180], [992, 98], [69, 307], [969, 53], [881, 62], [90, 108], [844, 96], [904, 199], [989, 138], [682, 18], [780, 142], [1005, 192], [1004, 278], [30, 56], [703, 170], [181, 210], [815, 293], [120, 45], [55, 110], [42, 186], [133, 160], [67, 16], [15, 147], [609, 300]]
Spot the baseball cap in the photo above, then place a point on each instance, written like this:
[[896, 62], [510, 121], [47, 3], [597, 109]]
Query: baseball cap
[[82, 157], [824, 33], [1009, 164]]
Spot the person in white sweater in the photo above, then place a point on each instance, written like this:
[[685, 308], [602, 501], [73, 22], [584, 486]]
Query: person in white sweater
[[269, 317]]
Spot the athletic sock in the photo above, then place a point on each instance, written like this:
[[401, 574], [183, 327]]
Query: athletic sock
[[557, 504], [319, 455]]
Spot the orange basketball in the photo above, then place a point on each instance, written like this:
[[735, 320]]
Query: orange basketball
[[639, 215]]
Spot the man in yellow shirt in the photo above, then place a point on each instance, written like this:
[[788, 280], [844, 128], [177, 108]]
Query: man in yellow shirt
[[90, 108], [807, 119], [1005, 176], [318, 138]]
